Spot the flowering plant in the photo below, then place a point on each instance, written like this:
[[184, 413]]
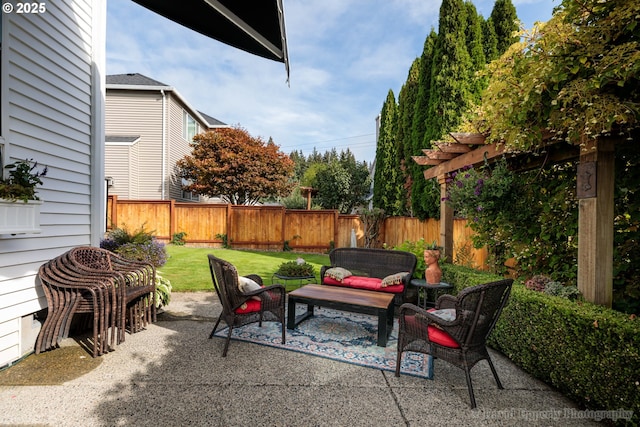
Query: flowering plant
[[139, 245], [477, 192]]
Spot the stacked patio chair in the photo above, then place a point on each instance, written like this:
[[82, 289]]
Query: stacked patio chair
[[135, 282], [67, 296], [87, 280], [456, 331], [239, 308]]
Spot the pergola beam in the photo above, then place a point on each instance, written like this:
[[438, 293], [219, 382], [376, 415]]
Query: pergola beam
[[438, 155], [472, 157], [449, 147], [468, 138], [426, 161]]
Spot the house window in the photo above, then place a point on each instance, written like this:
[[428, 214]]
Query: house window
[[190, 127], [187, 195]]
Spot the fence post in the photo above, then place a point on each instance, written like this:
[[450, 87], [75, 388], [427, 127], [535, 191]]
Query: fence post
[[172, 219]]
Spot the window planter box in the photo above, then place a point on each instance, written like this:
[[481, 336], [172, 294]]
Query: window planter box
[[18, 217]]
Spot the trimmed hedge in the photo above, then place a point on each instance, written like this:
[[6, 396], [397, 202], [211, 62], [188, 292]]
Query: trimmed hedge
[[589, 353]]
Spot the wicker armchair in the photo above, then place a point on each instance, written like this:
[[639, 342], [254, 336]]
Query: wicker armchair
[[239, 309], [457, 329]]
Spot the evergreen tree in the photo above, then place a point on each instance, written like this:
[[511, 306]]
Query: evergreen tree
[[475, 47], [406, 110], [505, 24], [452, 73], [333, 184], [360, 181], [419, 199], [314, 157], [299, 164], [489, 40], [387, 163]]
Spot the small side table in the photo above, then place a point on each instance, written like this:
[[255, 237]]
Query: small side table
[[301, 279], [424, 288]]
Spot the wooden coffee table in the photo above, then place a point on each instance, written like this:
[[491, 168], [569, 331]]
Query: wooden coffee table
[[345, 299]]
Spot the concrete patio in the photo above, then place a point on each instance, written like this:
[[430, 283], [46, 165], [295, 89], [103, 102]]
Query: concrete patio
[[172, 374]]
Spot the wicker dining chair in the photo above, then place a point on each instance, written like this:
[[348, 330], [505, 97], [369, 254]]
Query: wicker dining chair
[[456, 330], [135, 281], [239, 309], [67, 297]]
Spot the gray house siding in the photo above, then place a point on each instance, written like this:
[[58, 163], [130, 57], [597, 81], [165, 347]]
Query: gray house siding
[[152, 160], [135, 113], [179, 146], [52, 91]]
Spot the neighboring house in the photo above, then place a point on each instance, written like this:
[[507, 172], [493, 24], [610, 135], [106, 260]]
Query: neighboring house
[[149, 127], [52, 91], [52, 84]]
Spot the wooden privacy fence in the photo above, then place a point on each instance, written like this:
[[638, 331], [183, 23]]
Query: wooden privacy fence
[[276, 228]]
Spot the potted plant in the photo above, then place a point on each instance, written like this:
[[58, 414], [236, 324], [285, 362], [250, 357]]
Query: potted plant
[[296, 268], [19, 204]]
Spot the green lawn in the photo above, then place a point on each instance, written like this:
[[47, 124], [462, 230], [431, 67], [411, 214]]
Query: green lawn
[[188, 268]]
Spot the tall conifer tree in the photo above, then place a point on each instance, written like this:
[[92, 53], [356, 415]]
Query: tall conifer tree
[[386, 173], [406, 108], [504, 19], [419, 199], [452, 71], [489, 40], [475, 48]]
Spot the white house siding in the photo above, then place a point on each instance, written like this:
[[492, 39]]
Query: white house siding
[[136, 113], [51, 95]]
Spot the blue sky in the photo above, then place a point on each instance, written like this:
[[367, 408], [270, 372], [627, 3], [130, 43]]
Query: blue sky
[[345, 56]]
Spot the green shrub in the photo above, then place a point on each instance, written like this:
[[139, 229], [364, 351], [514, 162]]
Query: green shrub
[[163, 291], [589, 353], [417, 248], [139, 245], [178, 238], [296, 268], [559, 290]]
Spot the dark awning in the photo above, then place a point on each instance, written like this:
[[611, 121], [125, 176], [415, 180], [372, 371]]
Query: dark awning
[[255, 26]]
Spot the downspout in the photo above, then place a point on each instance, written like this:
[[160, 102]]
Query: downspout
[[164, 142]]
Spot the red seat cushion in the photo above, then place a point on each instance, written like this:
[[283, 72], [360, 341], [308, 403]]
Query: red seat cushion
[[436, 335], [331, 281], [250, 306], [439, 336], [368, 283]]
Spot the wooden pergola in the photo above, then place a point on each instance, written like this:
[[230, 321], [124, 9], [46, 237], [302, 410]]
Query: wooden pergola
[[595, 190], [308, 192]]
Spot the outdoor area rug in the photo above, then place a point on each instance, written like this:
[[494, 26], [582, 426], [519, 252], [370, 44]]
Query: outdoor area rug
[[338, 335]]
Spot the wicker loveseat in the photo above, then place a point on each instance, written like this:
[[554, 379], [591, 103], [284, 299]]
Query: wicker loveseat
[[372, 269]]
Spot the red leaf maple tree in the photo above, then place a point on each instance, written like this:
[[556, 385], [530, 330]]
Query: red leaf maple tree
[[241, 169]]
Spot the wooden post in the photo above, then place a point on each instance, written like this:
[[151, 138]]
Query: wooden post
[[172, 218], [595, 221], [114, 211], [446, 221]]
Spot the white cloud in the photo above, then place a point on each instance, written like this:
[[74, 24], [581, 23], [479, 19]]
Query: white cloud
[[345, 56]]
